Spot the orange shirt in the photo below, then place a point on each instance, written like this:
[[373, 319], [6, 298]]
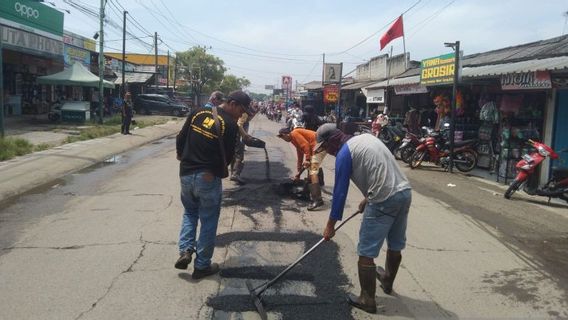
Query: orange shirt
[[305, 141]]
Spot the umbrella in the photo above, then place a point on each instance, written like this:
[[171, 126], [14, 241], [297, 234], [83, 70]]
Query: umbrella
[[77, 75]]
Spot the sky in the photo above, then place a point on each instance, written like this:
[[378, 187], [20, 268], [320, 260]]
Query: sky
[[263, 40]]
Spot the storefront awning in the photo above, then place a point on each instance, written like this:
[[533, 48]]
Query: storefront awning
[[395, 82], [132, 77], [548, 64], [356, 85], [76, 75]]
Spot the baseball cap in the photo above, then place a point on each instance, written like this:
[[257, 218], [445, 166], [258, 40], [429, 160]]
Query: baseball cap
[[243, 99], [283, 131], [323, 134]]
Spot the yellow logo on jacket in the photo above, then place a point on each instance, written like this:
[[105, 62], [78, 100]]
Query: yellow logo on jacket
[[208, 123]]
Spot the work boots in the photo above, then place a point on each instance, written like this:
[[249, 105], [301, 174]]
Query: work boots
[[236, 174], [366, 300], [315, 193], [386, 276]]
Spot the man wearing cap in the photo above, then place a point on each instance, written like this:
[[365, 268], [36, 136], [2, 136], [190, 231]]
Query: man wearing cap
[[204, 146], [305, 141], [216, 98], [371, 166]]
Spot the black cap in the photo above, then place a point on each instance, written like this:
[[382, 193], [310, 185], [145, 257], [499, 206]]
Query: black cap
[[243, 99], [283, 131]]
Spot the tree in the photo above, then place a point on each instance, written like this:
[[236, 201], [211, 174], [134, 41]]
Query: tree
[[231, 83], [258, 96], [203, 71]]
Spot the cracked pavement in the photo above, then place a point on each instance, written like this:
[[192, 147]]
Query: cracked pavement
[[101, 244]]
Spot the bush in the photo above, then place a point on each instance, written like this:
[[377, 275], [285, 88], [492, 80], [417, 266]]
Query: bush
[[13, 147]]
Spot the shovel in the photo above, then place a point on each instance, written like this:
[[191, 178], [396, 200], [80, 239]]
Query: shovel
[[256, 293]]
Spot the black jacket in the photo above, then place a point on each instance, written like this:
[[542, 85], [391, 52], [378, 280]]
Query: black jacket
[[198, 146]]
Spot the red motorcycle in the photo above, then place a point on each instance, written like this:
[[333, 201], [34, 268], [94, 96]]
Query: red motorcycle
[[556, 187], [435, 148]]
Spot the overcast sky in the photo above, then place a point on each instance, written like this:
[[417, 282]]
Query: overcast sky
[[263, 40]]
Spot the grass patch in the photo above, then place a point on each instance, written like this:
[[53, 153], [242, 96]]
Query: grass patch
[[94, 132], [42, 147], [148, 123], [13, 147]]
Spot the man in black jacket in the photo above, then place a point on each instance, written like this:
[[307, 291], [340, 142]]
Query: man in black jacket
[[205, 145]]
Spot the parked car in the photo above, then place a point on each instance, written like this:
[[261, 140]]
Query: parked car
[[158, 103]]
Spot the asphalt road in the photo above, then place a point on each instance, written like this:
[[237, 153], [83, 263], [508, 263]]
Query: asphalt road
[[101, 243]]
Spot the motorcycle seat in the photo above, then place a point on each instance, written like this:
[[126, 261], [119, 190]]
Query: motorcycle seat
[[464, 143], [560, 172]]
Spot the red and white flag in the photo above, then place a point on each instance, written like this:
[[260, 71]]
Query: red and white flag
[[395, 31]]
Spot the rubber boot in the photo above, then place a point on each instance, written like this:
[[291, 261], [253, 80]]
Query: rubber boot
[[236, 175], [315, 193], [386, 276], [366, 300]]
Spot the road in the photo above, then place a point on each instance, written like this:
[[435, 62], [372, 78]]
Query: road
[[101, 244]]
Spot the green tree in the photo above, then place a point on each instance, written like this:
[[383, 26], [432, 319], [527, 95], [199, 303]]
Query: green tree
[[258, 96], [231, 83], [203, 71]]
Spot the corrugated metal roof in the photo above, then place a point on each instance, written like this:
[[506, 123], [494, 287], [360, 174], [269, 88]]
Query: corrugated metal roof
[[312, 85], [551, 64], [356, 85], [395, 82]]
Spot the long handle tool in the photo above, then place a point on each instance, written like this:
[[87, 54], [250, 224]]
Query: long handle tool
[[256, 293]]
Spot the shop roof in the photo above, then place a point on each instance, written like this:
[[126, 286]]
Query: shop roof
[[550, 64], [312, 85], [356, 85], [395, 82], [133, 77]]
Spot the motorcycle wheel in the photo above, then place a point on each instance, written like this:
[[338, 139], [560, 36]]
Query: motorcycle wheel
[[406, 155], [470, 161], [513, 187], [397, 154], [417, 159]]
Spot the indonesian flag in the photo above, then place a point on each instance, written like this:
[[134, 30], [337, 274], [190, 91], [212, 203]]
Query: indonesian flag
[[395, 31]]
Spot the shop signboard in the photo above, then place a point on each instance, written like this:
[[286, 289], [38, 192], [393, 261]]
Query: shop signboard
[[376, 96], [526, 80], [32, 16], [268, 87], [24, 40], [79, 41], [72, 54], [332, 72], [330, 94], [410, 89], [438, 70]]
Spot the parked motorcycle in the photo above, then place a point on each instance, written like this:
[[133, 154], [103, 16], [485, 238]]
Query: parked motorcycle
[[55, 114], [556, 187], [409, 144], [392, 137], [435, 148]]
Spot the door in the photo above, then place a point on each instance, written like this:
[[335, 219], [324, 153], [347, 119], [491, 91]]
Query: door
[[560, 137]]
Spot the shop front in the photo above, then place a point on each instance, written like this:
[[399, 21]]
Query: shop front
[[32, 46]]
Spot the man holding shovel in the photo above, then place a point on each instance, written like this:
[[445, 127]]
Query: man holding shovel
[[371, 166], [305, 141]]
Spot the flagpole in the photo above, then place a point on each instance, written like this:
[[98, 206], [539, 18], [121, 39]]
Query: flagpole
[[388, 80], [404, 46]]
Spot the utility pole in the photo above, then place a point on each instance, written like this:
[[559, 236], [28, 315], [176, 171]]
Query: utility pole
[[156, 60], [175, 71], [101, 60], [1, 86], [123, 87], [168, 72], [456, 47]]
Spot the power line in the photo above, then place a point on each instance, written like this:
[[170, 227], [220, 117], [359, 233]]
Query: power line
[[422, 23]]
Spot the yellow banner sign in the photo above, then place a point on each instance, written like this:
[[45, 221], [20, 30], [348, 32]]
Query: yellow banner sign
[[438, 71]]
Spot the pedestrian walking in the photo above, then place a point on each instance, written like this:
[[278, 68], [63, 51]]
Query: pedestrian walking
[[239, 161], [204, 146], [305, 141], [126, 114], [373, 169]]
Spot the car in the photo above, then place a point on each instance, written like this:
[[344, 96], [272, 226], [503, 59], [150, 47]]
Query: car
[[160, 104]]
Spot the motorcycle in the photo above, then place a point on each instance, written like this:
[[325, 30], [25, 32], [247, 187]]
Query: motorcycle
[[392, 137], [435, 148], [556, 187], [55, 114], [408, 146]]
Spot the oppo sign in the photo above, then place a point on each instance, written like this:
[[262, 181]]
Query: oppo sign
[[26, 11]]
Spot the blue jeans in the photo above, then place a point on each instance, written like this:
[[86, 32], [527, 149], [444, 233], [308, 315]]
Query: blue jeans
[[201, 198], [384, 220]]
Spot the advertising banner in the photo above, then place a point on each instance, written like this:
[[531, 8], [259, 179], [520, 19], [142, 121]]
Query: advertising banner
[[438, 70], [72, 54], [526, 80], [33, 42], [79, 41], [332, 72], [410, 89], [268, 87], [376, 96], [330, 94], [287, 86], [33, 17]]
